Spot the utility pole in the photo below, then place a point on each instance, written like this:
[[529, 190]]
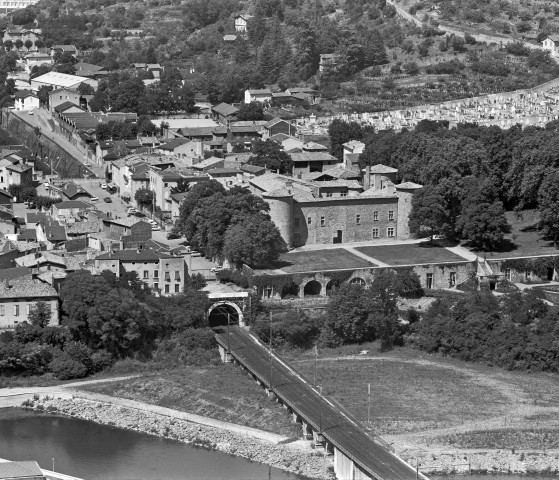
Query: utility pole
[[315, 362], [228, 337], [271, 356], [369, 407]]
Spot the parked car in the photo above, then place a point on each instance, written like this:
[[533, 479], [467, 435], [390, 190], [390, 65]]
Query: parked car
[[104, 186], [216, 269], [155, 227], [173, 236], [107, 200]]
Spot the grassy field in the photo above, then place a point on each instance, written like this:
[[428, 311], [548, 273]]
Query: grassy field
[[322, 260], [410, 254], [524, 239], [222, 392], [421, 399]]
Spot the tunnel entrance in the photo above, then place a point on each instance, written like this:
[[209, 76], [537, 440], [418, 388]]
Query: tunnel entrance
[[219, 312]]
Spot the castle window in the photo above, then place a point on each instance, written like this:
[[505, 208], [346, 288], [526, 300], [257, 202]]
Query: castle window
[[297, 221], [2, 310], [429, 280], [375, 232], [452, 279], [390, 231], [390, 214], [309, 220], [328, 194], [507, 274], [343, 194], [322, 221], [16, 310], [357, 219], [375, 216]]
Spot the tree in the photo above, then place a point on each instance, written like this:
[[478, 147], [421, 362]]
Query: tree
[[144, 196], [40, 314], [347, 317], [254, 241], [341, 132], [548, 207], [250, 112], [482, 221], [269, 154], [85, 89], [427, 211], [8, 45], [18, 43], [28, 44]]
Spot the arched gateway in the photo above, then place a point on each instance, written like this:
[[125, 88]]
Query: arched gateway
[[229, 308]]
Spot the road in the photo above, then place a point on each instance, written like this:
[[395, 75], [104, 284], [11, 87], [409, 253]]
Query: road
[[337, 425]]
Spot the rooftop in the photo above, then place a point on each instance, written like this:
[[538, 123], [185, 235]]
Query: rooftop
[[225, 109], [60, 79], [380, 169], [25, 289], [147, 255], [313, 157], [72, 204], [15, 470]]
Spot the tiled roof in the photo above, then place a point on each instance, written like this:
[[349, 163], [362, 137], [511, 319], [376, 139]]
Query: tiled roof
[[312, 157], [13, 273], [409, 186], [223, 171], [343, 173], [380, 169], [65, 106], [262, 91], [34, 218], [60, 79], [353, 184], [252, 169], [177, 197], [55, 233], [354, 144], [229, 38], [171, 145], [19, 167], [314, 146], [25, 289], [147, 255], [225, 109], [124, 222], [72, 204], [82, 228], [24, 94], [27, 234]]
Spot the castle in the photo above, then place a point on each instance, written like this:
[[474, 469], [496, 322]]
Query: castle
[[332, 206]]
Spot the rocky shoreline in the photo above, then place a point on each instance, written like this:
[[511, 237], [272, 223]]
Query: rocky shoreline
[[289, 457], [482, 461]]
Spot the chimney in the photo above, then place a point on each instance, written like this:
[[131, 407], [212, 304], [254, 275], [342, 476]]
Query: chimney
[[289, 185], [367, 177]]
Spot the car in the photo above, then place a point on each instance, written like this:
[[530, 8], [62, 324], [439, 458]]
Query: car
[[155, 228], [216, 269], [107, 200], [47, 184], [31, 205], [94, 199], [104, 186], [172, 236], [152, 221], [138, 214], [195, 253]]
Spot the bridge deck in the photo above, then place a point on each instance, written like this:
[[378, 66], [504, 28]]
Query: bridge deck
[[336, 425]]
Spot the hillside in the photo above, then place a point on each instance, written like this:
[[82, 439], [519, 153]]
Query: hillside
[[380, 61]]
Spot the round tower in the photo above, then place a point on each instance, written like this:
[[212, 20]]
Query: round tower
[[281, 211]]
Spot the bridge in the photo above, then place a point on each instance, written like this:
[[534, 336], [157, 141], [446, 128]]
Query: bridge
[[357, 456]]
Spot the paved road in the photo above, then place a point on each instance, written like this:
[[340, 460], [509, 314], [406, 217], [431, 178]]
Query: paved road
[[337, 425]]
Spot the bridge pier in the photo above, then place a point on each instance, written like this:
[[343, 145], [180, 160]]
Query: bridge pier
[[225, 355], [307, 430], [346, 469]]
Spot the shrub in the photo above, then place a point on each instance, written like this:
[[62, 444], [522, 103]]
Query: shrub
[[291, 329], [101, 360], [81, 353], [66, 368]]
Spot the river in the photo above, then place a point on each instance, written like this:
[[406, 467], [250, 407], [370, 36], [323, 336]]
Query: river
[[98, 452]]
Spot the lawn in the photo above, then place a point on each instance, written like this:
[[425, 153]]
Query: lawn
[[412, 254], [220, 391], [429, 396], [524, 239], [322, 260]]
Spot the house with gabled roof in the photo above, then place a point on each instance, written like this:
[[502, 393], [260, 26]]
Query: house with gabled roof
[[277, 126], [26, 100], [551, 44], [241, 22], [258, 95], [224, 112]]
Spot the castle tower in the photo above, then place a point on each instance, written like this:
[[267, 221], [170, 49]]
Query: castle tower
[[405, 192], [281, 211]]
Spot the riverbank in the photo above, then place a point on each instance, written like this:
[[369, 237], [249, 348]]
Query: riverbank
[[295, 457]]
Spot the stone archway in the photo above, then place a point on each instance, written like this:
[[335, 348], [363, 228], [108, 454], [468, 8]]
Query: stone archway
[[219, 312], [312, 288]]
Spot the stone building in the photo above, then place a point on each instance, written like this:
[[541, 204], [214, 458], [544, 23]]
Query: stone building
[[160, 271], [337, 211], [18, 296]]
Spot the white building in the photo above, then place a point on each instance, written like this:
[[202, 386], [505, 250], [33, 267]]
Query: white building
[[26, 100], [11, 5], [241, 22], [551, 44], [58, 80], [262, 95]]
